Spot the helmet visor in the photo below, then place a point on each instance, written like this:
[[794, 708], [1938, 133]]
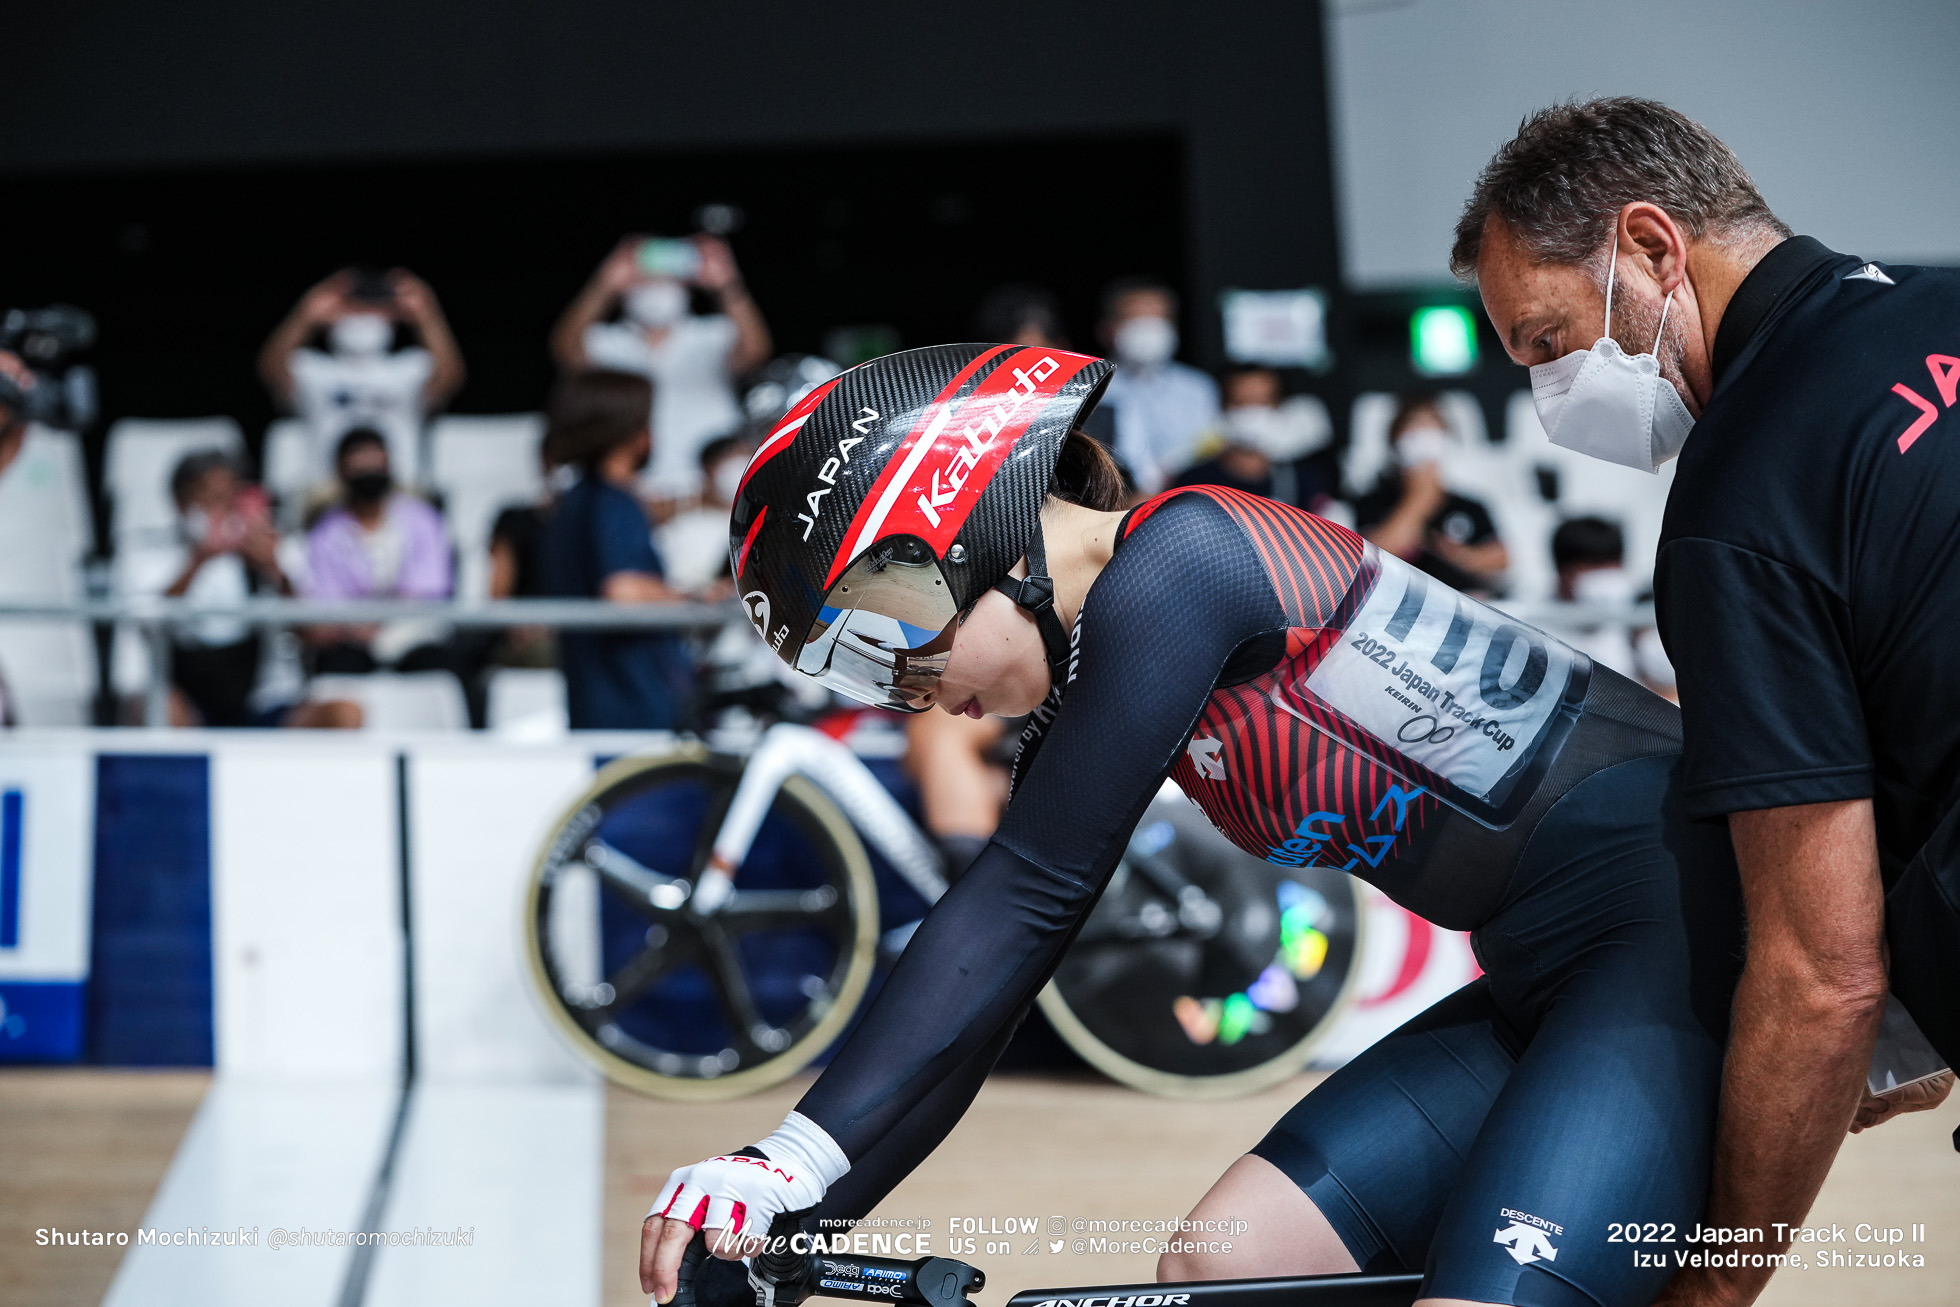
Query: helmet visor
[[885, 630]]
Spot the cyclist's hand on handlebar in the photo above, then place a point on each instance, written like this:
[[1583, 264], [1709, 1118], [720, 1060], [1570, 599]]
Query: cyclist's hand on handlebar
[[734, 1198]]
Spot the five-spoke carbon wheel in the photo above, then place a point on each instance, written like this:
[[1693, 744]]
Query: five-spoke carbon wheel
[[678, 1002]]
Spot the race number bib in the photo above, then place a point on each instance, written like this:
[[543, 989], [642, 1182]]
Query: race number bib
[[1450, 684]]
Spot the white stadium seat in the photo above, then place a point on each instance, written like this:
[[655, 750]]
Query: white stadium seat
[[290, 469], [1588, 486], [482, 465], [141, 455], [45, 534], [527, 703], [399, 701]]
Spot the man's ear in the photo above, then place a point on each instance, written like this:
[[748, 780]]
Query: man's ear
[[1651, 238]]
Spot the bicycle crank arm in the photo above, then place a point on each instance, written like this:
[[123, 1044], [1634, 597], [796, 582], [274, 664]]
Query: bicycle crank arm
[[1284, 1291]]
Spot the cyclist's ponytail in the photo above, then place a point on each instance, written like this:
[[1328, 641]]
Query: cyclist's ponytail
[[1087, 474]]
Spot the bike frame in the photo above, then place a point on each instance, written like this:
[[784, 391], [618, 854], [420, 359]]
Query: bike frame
[[943, 1282], [787, 750]]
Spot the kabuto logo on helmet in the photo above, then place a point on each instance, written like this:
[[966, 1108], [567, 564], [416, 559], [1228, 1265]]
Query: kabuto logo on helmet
[[860, 491]]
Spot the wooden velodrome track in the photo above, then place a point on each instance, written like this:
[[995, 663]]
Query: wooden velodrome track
[[87, 1149]]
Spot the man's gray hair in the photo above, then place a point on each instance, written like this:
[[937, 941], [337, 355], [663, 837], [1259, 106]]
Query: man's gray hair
[[1560, 183]]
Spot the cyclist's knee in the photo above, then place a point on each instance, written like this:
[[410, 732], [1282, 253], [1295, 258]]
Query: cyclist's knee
[[1177, 1266]]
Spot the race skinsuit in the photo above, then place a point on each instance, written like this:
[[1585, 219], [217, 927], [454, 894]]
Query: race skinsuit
[[1327, 704]]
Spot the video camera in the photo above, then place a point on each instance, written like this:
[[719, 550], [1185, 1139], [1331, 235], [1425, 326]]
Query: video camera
[[48, 341]]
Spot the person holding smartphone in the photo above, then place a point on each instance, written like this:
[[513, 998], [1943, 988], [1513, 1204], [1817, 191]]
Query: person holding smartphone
[[636, 315], [361, 379]]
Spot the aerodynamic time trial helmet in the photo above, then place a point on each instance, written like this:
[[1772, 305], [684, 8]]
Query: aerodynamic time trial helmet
[[889, 499]]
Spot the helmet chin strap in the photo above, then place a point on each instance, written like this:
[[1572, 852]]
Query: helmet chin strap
[[1036, 595]]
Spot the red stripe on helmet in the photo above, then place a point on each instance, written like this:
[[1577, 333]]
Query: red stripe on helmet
[[929, 489], [782, 435], [868, 510], [742, 559]]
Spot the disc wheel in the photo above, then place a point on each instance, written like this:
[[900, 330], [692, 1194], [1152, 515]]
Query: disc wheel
[[1211, 995], [683, 1004]]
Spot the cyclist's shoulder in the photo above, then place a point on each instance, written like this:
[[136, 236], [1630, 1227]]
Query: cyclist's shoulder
[[1305, 561]]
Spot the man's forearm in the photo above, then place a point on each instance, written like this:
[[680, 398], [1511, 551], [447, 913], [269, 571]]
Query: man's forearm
[[1794, 1077]]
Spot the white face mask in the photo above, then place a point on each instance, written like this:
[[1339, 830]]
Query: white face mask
[[1609, 404], [1605, 586], [1290, 431], [657, 303], [361, 334], [194, 525], [1146, 342], [1420, 445]]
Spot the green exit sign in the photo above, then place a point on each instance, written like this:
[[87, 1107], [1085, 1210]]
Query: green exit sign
[[1443, 341]]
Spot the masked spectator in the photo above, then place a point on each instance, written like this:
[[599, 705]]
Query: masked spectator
[[1020, 314], [377, 542], [1412, 513], [694, 543], [691, 359], [1590, 554], [361, 379], [1268, 445], [226, 551], [600, 545], [1162, 408]]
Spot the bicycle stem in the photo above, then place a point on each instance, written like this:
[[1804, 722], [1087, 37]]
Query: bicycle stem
[[785, 1278]]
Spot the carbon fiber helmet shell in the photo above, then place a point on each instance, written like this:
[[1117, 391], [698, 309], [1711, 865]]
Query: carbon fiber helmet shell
[[911, 453]]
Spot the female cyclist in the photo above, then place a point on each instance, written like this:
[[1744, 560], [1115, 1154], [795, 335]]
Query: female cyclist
[[926, 531]]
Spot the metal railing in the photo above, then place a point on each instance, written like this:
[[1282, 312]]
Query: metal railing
[[155, 616]]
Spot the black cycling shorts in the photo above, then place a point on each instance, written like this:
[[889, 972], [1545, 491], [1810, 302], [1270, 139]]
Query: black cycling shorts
[[1494, 1140]]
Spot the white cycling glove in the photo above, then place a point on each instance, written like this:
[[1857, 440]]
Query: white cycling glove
[[744, 1195]]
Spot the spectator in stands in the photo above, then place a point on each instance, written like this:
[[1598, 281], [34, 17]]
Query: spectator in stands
[[1020, 314], [227, 551], [1269, 445], [694, 543], [1590, 554], [377, 542], [1162, 408], [691, 359], [600, 545], [1412, 514], [15, 381], [361, 380], [517, 572]]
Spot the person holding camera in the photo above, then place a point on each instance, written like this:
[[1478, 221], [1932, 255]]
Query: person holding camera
[[691, 359], [361, 379]]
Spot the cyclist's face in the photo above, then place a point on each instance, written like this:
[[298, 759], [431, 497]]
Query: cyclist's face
[[997, 664]]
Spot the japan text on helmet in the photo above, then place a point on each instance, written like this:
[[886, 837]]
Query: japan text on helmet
[[888, 500]]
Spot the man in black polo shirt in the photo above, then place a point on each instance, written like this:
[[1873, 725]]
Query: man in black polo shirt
[[1808, 589]]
